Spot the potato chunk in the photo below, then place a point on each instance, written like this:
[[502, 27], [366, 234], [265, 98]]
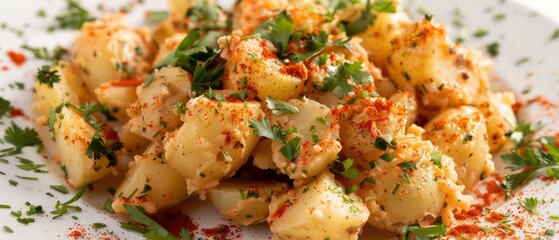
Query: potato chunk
[[252, 65], [151, 183], [443, 74], [117, 96], [499, 116], [368, 123], [410, 185], [107, 50], [245, 202], [72, 135], [319, 209], [69, 89], [461, 134], [214, 141], [319, 139], [154, 114]]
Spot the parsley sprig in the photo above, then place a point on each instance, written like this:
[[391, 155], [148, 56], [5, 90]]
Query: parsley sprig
[[19, 138], [290, 150], [280, 107], [339, 76], [74, 16], [148, 227], [531, 159], [437, 230], [280, 31], [63, 208], [46, 76], [195, 55], [344, 168]]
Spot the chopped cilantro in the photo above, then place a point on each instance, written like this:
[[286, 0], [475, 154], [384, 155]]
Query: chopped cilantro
[[344, 168], [530, 159], [280, 107], [20, 138], [63, 208], [46, 76], [74, 16], [493, 49], [429, 232], [337, 81], [59, 188], [5, 106], [387, 157], [108, 206], [436, 157], [98, 225], [529, 204], [280, 31], [481, 32]]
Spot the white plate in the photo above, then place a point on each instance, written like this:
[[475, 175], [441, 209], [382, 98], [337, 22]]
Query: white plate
[[522, 34]]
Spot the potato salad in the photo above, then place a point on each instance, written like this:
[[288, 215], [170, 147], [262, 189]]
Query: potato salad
[[314, 116]]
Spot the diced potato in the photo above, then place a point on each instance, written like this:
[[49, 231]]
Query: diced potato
[[245, 202], [377, 39], [70, 89], [368, 121], [262, 155], [72, 135], [117, 96], [214, 141], [154, 113], [334, 57], [248, 14], [319, 209], [443, 74], [108, 50], [499, 116], [319, 139], [408, 187], [461, 134], [134, 144], [150, 183], [407, 99], [252, 65]]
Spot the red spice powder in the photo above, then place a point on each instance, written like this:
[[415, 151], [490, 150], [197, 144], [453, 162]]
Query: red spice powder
[[17, 58], [16, 112], [128, 83], [223, 232], [465, 229], [473, 212], [494, 217], [298, 70], [174, 222], [5, 68], [75, 234]]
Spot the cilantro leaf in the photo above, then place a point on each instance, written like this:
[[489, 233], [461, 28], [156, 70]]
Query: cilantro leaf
[[530, 160], [63, 208], [5, 106], [529, 204], [339, 76], [42, 53], [46, 76], [20, 138], [74, 16], [280, 31], [436, 157], [521, 135], [291, 149], [367, 17], [280, 107], [98, 148], [425, 233], [344, 168], [151, 227], [264, 129], [314, 44]]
